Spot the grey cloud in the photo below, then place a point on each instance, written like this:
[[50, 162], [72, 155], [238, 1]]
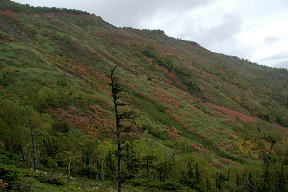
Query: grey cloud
[[279, 56], [220, 38], [271, 40], [130, 12], [279, 60], [230, 26], [125, 12], [283, 64], [150, 8], [223, 32]]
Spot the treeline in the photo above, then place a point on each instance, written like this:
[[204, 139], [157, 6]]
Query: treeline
[[23, 130], [10, 5]]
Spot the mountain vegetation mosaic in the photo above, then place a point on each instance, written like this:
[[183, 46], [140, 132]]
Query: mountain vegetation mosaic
[[187, 119]]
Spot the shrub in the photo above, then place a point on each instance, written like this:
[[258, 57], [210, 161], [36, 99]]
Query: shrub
[[149, 51], [61, 127], [88, 172], [51, 180], [168, 185], [21, 186], [138, 182], [3, 35], [9, 174], [192, 86], [49, 162]]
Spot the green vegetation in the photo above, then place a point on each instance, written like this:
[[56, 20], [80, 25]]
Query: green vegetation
[[10, 5], [203, 121]]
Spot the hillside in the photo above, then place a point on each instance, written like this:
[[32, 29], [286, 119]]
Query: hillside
[[198, 112]]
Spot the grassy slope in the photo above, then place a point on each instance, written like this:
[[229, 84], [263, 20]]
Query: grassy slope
[[71, 55]]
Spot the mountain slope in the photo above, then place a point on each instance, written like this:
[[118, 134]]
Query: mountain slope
[[189, 100]]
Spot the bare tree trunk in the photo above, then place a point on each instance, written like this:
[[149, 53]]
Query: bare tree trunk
[[102, 170], [33, 146], [119, 175], [119, 149], [69, 166], [266, 171], [115, 90], [147, 167]]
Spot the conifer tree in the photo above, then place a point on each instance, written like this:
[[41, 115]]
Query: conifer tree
[[120, 127]]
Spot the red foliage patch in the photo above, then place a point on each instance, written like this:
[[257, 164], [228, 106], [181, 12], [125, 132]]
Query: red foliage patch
[[194, 69], [198, 71], [217, 164], [97, 56], [98, 110], [210, 76], [125, 36], [81, 69], [199, 148], [148, 60], [99, 76], [166, 50], [89, 16], [162, 96], [8, 13], [122, 39], [173, 77], [92, 123], [279, 126], [232, 115], [120, 42], [57, 14], [172, 134], [105, 91], [225, 161]]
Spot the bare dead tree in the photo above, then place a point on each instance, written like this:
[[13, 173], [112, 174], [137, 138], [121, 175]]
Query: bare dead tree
[[32, 135], [120, 127], [267, 159]]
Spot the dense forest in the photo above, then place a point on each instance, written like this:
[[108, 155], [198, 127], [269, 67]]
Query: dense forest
[[88, 107]]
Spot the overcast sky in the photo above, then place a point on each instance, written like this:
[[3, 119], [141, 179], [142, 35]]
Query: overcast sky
[[253, 29]]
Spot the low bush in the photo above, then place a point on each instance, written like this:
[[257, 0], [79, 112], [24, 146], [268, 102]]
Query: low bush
[[168, 185], [9, 174], [89, 172], [138, 182], [21, 186], [54, 180], [49, 162]]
